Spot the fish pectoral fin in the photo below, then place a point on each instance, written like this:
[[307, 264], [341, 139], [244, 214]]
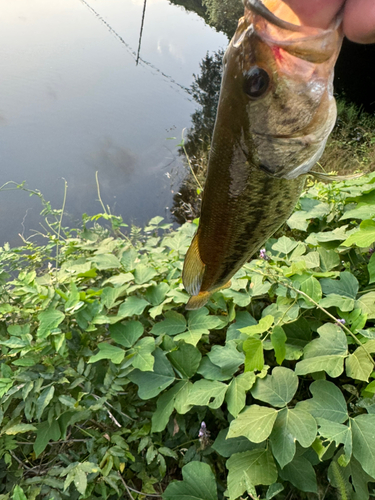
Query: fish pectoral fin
[[198, 301], [319, 176], [193, 271]]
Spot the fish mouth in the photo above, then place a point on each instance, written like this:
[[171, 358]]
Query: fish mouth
[[258, 7]]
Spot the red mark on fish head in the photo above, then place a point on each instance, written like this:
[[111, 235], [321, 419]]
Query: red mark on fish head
[[277, 52]]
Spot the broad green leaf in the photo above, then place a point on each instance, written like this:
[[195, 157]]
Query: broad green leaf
[[241, 299], [301, 474], [156, 294], [358, 365], [243, 319], [364, 441], [45, 433], [329, 259], [367, 304], [185, 359], [200, 320], [18, 429], [258, 465], [110, 295], [273, 490], [311, 287], [48, 321], [43, 400], [210, 371], [228, 446], [207, 393], [255, 423], [132, 306], [353, 475], [105, 261], [73, 297], [346, 286], [236, 394], [364, 237], [143, 274], [126, 334], [198, 484], [371, 268], [277, 389], [164, 408], [263, 326], [327, 402], [291, 426], [191, 337], [143, 358], [339, 433], [152, 383], [284, 245], [278, 339], [181, 399], [128, 259], [325, 353], [311, 260], [298, 334], [227, 357], [345, 304], [173, 324], [108, 351], [254, 360]]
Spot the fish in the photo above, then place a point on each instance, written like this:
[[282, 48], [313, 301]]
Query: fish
[[276, 110]]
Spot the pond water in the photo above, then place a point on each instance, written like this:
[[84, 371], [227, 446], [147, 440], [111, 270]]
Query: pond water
[[73, 102]]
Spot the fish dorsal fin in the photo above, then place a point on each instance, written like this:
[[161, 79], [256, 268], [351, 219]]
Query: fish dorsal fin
[[320, 176], [193, 271]]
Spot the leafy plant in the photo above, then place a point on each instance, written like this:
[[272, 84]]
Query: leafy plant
[[109, 388]]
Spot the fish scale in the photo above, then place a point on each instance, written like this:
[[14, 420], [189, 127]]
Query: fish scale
[[275, 112]]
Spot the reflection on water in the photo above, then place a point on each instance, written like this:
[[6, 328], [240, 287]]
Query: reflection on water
[[73, 101]]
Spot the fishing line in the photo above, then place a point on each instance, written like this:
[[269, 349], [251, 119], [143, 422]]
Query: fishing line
[[132, 52]]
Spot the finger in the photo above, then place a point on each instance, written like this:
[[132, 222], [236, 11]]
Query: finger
[[317, 13], [359, 20]]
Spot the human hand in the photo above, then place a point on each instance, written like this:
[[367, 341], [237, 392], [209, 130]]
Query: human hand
[[358, 20]]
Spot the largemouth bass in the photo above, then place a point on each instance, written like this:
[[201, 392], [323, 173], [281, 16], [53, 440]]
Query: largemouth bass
[[276, 110]]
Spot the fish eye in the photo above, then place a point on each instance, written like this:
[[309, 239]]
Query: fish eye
[[256, 82]]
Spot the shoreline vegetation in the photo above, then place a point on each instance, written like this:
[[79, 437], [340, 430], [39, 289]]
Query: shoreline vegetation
[[110, 389]]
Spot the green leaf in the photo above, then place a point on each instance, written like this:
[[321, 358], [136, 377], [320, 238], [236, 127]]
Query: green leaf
[[327, 402], [185, 359], [358, 365], [227, 357], [284, 245], [181, 404], [278, 339], [273, 490], [258, 465], [207, 393], [364, 237], [105, 261], [108, 351], [364, 441], [227, 447], [126, 334], [358, 478], [301, 474], [110, 295], [263, 326], [132, 306], [236, 394], [254, 360], [152, 383], [18, 493], [143, 358], [333, 300], [18, 429], [243, 319], [255, 423], [347, 285], [73, 299], [143, 274], [48, 321], [277, 389], [43, 400], [45, 433], [371, 268], [201, 321], [164, 408], [198, 484], [173, 324], [311, 287], [329, 259], [339, 433], [291, 426], [156, 294], [367, 304], [325, 353]]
